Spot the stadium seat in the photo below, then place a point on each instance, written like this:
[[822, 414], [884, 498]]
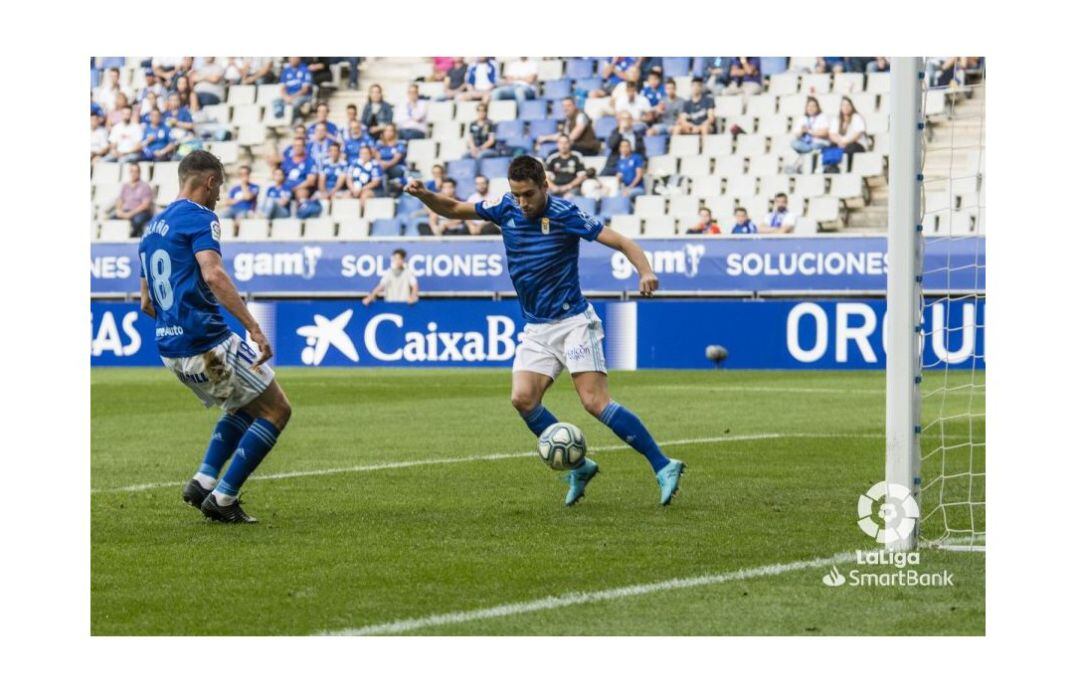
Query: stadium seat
[[342, 209], [354, 229], [830, 104], [287, 229], [106, 172], [228, 228], [703, 186], [522, 143], [877, 82], [464, 188], [876, 123], [442, 131], [729, 106], [717, 145], [589, 205], [534, 109], [111, 62], [614, 205], [729, 166], [849, 83], [611, 184], [675, 67], [773, 65], [866, 104], [682, 86], [630, 225], [497, 188], [549, 69], [823, 209], [267, 94], [166, 172], [816, 83], [422, 150], [686, 222], [868, 164], [557, 89], [247, 115], [750, 145], [545, 149], [495, 167], [659, 226], [762, 106], [685, 145], [218, 113], [543, 126], [408, 204], [589, 83], [115, 230], [695, 165], [241, 95], [452, 149], [461, 168], [579, 68], [389, 227], [663, 165], [505, 110], [605, 126], [506, 130], [775, 126], [650, 205], [251, 135], [793, 105], [805, 225], [253, 230], [379, 209], [430, 90], [440, 111], [655, 145], [684, 205], [465, 112], [777, 183], [167, 190], [783, 84], [228, 152], [719, 205], [105, 194], [741, 187], [846, 186]]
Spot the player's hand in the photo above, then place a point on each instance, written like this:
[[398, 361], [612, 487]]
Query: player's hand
[[368, 300], [415, 187], [649, 284], [265, 351]]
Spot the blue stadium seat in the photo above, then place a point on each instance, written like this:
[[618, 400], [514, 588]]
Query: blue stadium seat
[[407, 205], [495, 167], [543, 126], [655, 145], [461, 168], [107, 63], [617, 205], [546, 148], [772, 66], [524, 142], [676, 67], [589, 83], [95, 78], [577, 68], [557, 89], [586, 204], [605, 126], [386, 228], [533, 109], [466, 187], [505, 130]]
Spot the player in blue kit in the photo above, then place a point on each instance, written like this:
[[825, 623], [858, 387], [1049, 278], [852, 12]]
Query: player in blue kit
[[183, 287], [541, 234]]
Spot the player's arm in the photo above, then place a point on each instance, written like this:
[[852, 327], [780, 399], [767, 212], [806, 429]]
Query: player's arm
[[648, 282], [145, 304], [374, 293], [215, 277], [441, 205]]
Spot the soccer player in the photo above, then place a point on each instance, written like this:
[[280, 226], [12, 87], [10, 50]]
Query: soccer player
[[541, 233], [183, 287]]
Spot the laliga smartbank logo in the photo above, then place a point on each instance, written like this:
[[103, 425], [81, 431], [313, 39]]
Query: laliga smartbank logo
[[888, 512]]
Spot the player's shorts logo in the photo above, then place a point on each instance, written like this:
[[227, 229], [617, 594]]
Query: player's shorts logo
[[888, 512]]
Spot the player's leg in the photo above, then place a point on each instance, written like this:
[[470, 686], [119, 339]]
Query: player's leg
[[226, 435], [535, 370]]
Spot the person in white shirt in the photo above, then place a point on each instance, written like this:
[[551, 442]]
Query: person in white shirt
[[848, 132], [108, 89], [519, 81], [781, 220], [812, 130], [99, 138], [398, 284], [125, 139], [411, 116], [209, 82], [481, 194], [631, 102]]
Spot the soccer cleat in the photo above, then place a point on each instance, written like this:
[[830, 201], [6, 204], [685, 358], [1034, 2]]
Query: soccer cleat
[[229, 513], [668, 478], [578, 479], [194, 494]]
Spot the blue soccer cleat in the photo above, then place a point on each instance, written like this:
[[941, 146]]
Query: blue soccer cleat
[[668, 478], [578, 479]]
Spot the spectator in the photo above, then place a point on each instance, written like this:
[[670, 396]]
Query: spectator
[[297, 89], [781, 220], [322, 117], [351, 114], [157, 144], [117, 114], [165, 67], [319, 146], [178, 118], [829, 64], [439, 68], [366, 176], [307, 207], [481, 194], [950, 71], [566, 171], [354, 140], [624, 132], [391, 155], [631, 171], [183, 90], [249, 71], [577, 126], [593, 187], [106, 93], [277, 202], [480, 78], [519, 82], [716, 73], [209, 83], [438, 173], [125, 139], [299, 142], [878, 65], [152, 95], [411, 116], [319, 67], [482, 135], [242, 196], [300, 169], [698, 116], [377, 114], [631, 102], [454, 84], [182, 70], [744, 76], [668, 111], [848, 132], [743, 223], [334, 174], [812, 132], [653, 91], [705, 224], [99, 138], [135, 202], [444, 226], [613, 72], [398, 284]]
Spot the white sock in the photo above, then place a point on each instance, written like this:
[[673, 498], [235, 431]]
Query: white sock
[[223, 500], [205, 481]]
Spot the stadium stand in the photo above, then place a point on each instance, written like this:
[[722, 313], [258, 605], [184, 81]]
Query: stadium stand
[[745, 163]]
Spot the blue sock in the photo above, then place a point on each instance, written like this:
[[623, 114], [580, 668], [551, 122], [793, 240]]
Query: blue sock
[[252, 449], [539, 419], [227, 433], [631, 430]]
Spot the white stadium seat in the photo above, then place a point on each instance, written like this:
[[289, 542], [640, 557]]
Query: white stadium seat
[[730, 166], [686, 222], [868, 164], [228, 152], [794, 105], [681, 205], [650, 205], [247, 115], [115, 230], [663, 165], [720, 144], [465, 112], [761, 105], [750, 145], [703, 186], [106, 172], [851, 186], [549, 70], [764, 165], [267, 94], [816, 83], [823, 209], [241, 94], [105, 194], [695, 165], [320, 228], [505, 110], [783, 83], [848, 82], [440, 111], [778, 183], [379, 208], [741, 187], [809, 186], [719, 205], [286, 229], [659, 226], [728, 106], [342, 209], [228, 228], [354, 229], [629, 225], [877, 82], [683, 145], [253, 230]]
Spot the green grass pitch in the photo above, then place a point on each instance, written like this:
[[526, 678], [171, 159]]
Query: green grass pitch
[[776, 462]]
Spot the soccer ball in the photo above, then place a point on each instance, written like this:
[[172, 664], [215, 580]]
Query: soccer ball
[[562, 446]]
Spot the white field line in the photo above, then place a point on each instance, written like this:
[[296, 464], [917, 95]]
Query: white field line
[[576, 599], [767, 389]]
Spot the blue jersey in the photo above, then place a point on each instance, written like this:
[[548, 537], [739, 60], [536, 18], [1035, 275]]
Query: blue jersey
[[160, 135], [331, 131], [627, 168], [364, 173], [747, 227], [294, 79], [542, 254], [243, 205], [352, 146], [334, 171], [296, 172], [653, 95], [189, 321]]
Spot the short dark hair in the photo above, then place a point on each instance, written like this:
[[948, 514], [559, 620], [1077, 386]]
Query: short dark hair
[[743, 211], [449, 179], [527, 168], [671, 81], [698, 80], [399, 252], [199, 162], [781, 194]]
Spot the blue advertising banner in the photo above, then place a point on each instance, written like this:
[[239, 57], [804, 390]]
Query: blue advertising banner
[[659, 334], [687, 264]]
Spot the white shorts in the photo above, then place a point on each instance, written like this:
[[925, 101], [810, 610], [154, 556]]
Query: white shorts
[[224, 376], [574, 343]]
